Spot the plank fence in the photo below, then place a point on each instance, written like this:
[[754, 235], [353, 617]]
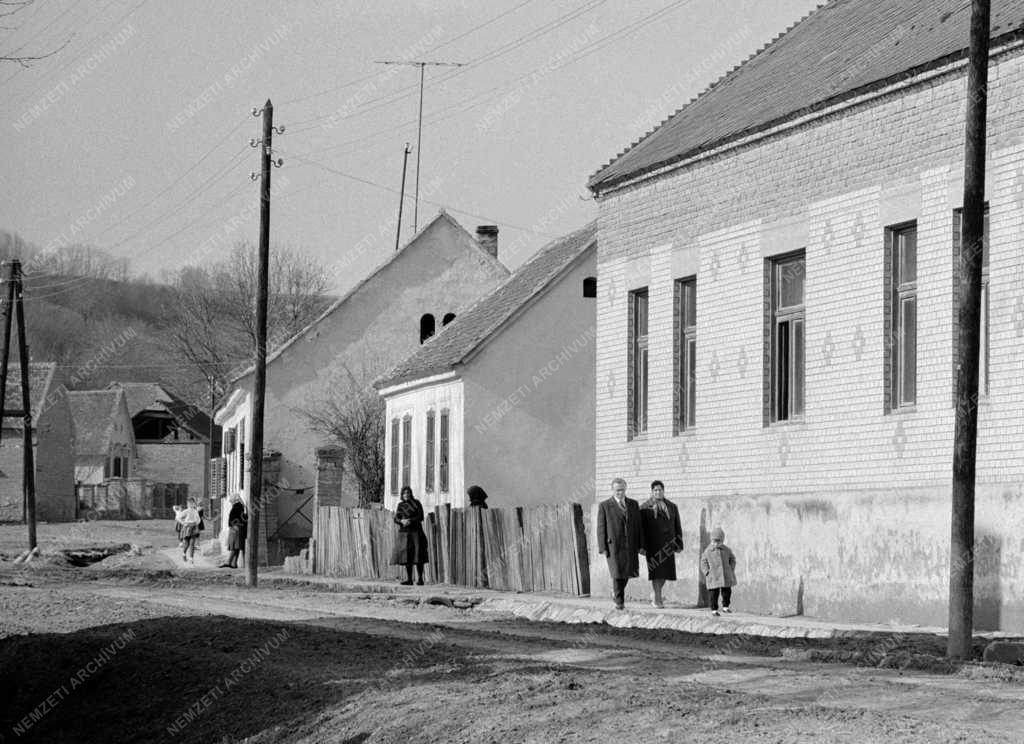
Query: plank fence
[[525, 549]]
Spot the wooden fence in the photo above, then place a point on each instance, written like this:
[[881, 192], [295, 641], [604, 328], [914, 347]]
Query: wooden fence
[[536, 548]]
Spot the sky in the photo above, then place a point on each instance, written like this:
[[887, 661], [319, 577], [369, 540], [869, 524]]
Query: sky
[[135, 135]]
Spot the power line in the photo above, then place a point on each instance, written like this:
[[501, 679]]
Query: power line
[[419, 129], [451, 41], [402, 93], [477, 100], [87, 46], [441, 205]]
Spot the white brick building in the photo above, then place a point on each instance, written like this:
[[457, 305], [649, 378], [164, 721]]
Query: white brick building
[[821, 431]]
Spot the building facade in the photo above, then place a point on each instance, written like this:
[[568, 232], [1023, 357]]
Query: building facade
[[104, 439], [776, 317], [53, 454], [440, 271], [504, 397]]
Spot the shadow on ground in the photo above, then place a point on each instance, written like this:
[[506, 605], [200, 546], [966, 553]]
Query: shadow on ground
[[212, 679]]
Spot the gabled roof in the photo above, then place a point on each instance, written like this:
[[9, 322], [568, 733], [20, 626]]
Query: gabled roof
[[152, 396], [40, 378], [478, 323], [442, 215], [842, 49], [93, 413]]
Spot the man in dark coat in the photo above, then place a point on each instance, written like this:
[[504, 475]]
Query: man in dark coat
[[619, 538]]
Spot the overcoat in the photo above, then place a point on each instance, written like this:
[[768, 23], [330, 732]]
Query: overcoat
[[238, 526], [662, 538], [411, 541], [619, 537], [718, 565]]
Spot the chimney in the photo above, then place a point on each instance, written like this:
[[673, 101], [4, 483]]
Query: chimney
[[487, 237]]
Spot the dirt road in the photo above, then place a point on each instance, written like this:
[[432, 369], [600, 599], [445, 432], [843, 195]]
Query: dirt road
[[161, 657]]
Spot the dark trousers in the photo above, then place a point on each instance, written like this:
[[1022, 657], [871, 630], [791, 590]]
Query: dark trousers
[[233, 558], [619, 591], [726, 596]]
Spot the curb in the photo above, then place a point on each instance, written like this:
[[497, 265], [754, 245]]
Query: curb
[[681, 620]]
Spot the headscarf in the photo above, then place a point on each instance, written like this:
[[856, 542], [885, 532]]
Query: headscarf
[[477, 496]]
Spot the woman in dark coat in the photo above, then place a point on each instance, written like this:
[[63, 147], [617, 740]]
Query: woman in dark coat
[[238, 525], [411, 541], [662, 539]]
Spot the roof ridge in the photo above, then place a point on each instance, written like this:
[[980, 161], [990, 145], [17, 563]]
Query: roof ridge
[[464, 340], [714, 84], [393, 255]]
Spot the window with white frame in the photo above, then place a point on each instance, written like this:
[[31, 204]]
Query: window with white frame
[[685, 356], [394, 456], [444, 453], [785, 373], [429, 484], [901, 359], [406, 450], [638, 363]]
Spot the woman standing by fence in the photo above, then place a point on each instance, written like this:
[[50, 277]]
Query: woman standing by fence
[[237, 527], [411, 542]]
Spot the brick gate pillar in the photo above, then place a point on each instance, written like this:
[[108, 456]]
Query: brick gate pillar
[[330, 470], [268, 506]]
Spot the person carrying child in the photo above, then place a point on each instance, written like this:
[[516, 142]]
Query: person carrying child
[[718, 564]]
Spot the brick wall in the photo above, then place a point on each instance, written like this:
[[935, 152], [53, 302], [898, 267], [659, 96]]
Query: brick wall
[[829, 186]]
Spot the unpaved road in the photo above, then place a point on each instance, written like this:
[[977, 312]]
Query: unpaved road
[[174, 659]]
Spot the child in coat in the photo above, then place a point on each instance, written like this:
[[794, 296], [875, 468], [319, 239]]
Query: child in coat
[[718, 564]]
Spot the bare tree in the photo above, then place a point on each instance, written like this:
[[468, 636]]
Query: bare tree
[[350, 411], [9, 9], [214, 324]]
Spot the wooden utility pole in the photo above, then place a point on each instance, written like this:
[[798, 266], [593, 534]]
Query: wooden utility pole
[[401, 196], [961, 569], [29, 462], [8, 309], [260, 375], [419, 126], [15, 292]]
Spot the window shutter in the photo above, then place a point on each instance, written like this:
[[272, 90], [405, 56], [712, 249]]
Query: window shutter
[[218, 478]]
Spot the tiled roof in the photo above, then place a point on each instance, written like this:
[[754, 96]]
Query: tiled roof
[[40, 378], [142, 396], [151, 396], [839, 50], [93, 413], [490, 260], [476, 324]]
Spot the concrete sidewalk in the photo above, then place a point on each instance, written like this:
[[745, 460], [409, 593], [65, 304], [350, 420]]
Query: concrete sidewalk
[[576, 610]]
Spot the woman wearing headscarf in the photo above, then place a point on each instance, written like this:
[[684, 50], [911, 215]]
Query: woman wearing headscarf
[[238, 526], [411, 541], [662, 539], [477, 496]]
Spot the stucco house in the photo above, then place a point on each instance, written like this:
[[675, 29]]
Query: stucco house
[[504, 396], [53, 456], [104, 440], [172, 436], [778, 264], [419, 288]]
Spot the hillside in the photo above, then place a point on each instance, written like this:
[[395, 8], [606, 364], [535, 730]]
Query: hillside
[[101, 330]]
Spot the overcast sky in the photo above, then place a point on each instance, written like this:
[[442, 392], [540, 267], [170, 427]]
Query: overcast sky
[[135, 136]]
